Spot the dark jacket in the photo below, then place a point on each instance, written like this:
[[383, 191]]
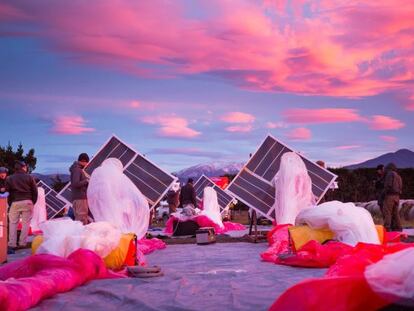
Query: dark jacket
[[172, 197], [78, 182], [188, 195], [392, 183], [21, 186]]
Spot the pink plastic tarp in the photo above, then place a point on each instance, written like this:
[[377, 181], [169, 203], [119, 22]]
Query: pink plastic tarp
[[147, 246], [26, 282], [204, 221], [344, 286]]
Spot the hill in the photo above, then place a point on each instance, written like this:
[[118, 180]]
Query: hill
[[403, 158]]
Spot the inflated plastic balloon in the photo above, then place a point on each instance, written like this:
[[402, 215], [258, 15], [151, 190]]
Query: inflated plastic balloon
[[39, 210], [112, 197], [293, 189], [351, 224], [211, 208]]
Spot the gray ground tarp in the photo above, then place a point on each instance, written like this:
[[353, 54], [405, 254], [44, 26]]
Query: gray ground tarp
[[228, 276]]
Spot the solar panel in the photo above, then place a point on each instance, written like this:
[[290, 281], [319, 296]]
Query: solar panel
[[149, 179], [54, 204], [152, 181], [253, 185], [223, 197]]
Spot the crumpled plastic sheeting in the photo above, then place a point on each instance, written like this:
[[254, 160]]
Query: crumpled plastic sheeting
[[345, 287], [112, 197], [393, 276], [351, 224], [26, 282], [39, 211], [211, 208], [220, 276], [147, 246], [293, 188], [61, 237], [203, 221]]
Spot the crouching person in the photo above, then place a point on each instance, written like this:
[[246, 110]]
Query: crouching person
[[23, 195]]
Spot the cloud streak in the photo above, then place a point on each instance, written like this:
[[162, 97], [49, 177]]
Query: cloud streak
[[300, 133], [337, 48], [70, 125], [171, 126], [325, 115]]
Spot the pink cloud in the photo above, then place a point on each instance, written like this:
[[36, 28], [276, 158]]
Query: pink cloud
[[70, 125], [348, 147], [300, 133], [239, 128], [171, 126], [325, 115], [275, 125], [135, 104], [389, 139], [238, 117], [383, 123], [410, 104], [337, 48]]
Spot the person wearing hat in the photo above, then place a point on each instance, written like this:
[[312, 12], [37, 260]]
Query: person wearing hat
[[23, 195], [79, 184]]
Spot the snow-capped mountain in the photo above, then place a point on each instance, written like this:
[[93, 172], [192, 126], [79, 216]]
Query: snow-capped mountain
[[210, 170]]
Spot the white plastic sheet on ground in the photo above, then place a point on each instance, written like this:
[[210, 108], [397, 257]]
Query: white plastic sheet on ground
[[112, 197], [39, 210], [393, 275], [211, 208], [293, 189], [351, 224], [63, 236]]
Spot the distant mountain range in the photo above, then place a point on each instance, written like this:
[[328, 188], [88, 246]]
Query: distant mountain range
[[402, 158], [50, 179], [210, 170]]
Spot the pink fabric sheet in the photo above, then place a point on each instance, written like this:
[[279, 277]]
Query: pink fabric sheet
[[204, 221], [147, 246], [26, 282]]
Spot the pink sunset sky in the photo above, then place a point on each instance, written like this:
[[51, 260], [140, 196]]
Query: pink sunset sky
[[187, 82]]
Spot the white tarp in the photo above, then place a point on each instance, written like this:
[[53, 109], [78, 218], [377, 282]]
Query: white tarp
[[351, 224], [39, 210], [293, 188], [112, 197]]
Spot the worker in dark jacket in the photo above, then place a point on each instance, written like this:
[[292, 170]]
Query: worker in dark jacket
[[79, 184], [188, 198], [23, 195], [392, 190]]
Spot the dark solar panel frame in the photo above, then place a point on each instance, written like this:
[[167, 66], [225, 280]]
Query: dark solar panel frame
[[223, 197], [253, 184], [54, 204], [115, 147]]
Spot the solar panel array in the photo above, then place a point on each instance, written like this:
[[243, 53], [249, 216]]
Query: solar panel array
[[223, 197], [152, 181], [54, 204], [253, 185]]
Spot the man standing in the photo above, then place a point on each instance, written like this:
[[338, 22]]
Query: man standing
[[379, 186], [188, 198], [392, 191], [79, 184], [173, 197], [23, 195]]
